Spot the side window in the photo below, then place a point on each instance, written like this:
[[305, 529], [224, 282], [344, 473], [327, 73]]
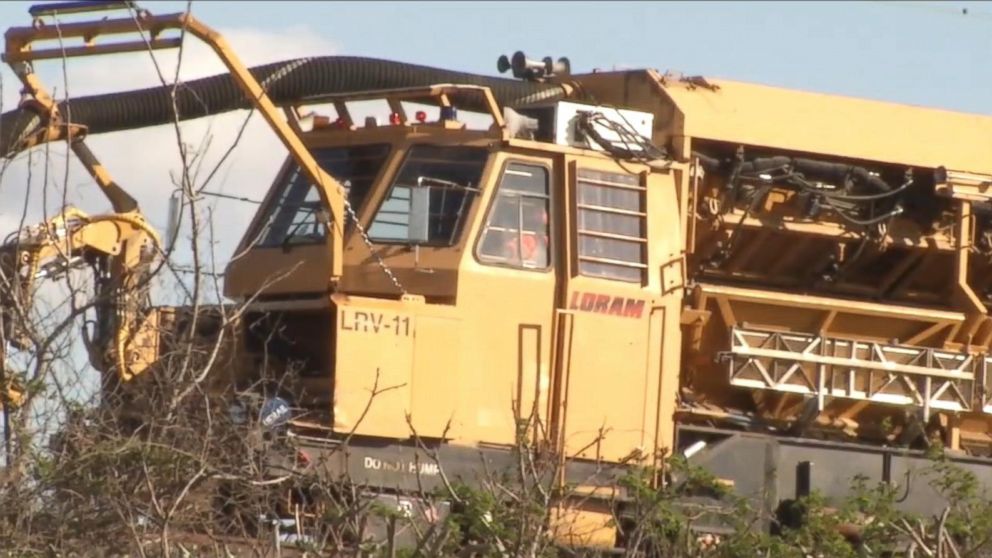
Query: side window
[[432, 192], [296, 216], [517, 231], [612, 226]]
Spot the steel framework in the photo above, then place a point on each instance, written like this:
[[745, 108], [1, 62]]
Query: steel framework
[[830, 367]]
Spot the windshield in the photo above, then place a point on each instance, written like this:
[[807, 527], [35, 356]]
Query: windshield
[[296, 216], [430, 196]]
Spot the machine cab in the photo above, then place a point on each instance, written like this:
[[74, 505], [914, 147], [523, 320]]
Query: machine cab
[[492, 280], [286, 251]]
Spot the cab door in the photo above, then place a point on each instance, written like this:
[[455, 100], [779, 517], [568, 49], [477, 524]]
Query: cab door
[[507, 292], [610, 316]]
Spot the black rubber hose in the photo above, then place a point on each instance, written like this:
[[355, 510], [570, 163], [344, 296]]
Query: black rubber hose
[[835, 172], [764, 164], [286, 82], [711, 164], [839, 172]]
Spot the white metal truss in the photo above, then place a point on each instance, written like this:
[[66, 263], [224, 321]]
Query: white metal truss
[[828, 367]]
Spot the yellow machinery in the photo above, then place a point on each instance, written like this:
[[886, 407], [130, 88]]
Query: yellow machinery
[[767, 281], [120, 248], [70, 240]]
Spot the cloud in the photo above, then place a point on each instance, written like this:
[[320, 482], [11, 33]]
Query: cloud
[[146, 161]]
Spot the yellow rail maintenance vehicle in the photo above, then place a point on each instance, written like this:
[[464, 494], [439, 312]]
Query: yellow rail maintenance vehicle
[[615, 267]]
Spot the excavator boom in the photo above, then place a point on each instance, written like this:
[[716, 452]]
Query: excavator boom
[[72, 238], [122, 243], [21, 51]]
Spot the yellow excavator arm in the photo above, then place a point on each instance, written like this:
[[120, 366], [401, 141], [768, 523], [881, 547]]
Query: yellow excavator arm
[[23, 45], [119, 246]]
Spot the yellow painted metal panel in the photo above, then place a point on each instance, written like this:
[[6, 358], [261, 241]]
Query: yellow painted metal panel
[[436, 369], [528, 371], [374, 364], [505, 335], [834, 125], [604, 389], [572, 525], [507, 357], [608, 403]]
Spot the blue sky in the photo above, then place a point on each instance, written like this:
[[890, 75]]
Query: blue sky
[[920, 53], [926, 53]]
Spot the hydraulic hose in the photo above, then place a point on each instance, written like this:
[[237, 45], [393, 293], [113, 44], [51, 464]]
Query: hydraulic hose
[[286, 82], [836, 172]]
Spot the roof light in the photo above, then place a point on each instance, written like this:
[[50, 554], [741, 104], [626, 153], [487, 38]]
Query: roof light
[[395, 119], [421, 116], [320, 121], [449, 113]]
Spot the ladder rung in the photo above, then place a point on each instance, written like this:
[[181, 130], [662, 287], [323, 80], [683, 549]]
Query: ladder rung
[[39, 10]]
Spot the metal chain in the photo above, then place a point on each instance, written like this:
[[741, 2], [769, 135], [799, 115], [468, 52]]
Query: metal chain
[[279, 74], [368, 243]]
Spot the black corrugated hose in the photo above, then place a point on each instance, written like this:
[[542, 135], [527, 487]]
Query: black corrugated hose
[[286, 82]]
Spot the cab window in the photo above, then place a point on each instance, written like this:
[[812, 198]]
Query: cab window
[[297, 215], [517, 227], [612, 226], [431, 195]]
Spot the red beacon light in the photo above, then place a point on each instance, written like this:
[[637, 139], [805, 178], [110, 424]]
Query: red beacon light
[[421, 116], [394, 119]]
